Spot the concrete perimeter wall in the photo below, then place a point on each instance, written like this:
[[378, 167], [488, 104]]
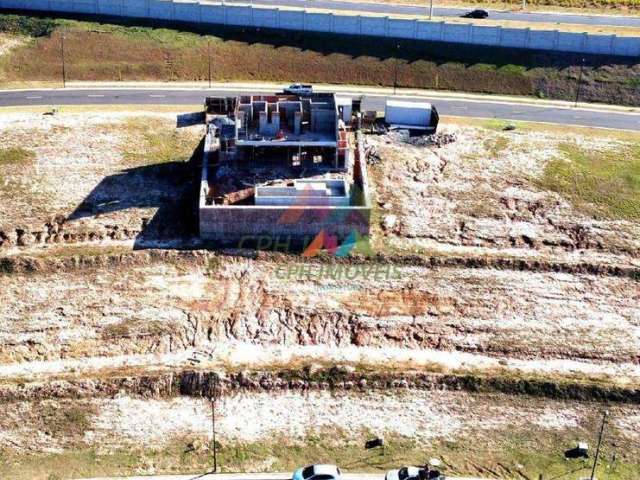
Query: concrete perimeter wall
[[281, 226], [235, 15], [245, 226]]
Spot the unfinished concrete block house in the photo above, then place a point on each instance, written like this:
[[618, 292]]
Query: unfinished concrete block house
[[284, 167]]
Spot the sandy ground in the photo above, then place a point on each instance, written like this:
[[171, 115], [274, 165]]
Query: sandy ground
[[292, 416], [86, 164], [479, 195], [164, 309], [102, 173]]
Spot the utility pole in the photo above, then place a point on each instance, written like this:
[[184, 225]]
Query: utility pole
[[430, 9], [595, 460], [395, 74], [64, 74], [209, 59], [579, 81], [524, 4], [212, 399]]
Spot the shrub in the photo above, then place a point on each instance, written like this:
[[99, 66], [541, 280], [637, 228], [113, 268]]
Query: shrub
[[29, 26]]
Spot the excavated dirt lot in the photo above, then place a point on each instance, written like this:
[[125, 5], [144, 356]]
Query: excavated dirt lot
[[487, 287], [95, 176], [164, 308], [479, 194]]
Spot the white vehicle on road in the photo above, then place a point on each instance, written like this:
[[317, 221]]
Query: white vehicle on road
[[404, 473], [299, 89], [318, 472]]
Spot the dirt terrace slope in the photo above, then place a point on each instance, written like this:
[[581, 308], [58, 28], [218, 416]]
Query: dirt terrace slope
[[161, 308], [93, 176], [104, 351]]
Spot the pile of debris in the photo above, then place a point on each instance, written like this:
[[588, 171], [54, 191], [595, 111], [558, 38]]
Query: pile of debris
[[371, 155], [436, 140]]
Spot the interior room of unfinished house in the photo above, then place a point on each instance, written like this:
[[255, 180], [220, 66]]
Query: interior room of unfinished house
[[280, 150]]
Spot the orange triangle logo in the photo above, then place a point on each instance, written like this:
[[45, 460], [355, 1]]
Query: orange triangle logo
[[314, 247]]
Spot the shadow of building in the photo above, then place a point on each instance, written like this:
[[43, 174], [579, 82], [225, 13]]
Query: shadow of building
[[171, 188]]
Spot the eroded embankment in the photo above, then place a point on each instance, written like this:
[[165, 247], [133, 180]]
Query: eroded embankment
[[72, 259], [161, 301], [336, 379]]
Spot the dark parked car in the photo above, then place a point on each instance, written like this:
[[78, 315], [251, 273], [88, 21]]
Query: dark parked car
[[476, 14]]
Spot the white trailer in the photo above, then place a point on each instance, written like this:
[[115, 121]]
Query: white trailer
[[411, 115]]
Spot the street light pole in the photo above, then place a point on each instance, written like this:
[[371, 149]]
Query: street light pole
[[395, 75], [212, 399], [64, 74], [579, 82], [595, 460], [209, 59], [430, 9]]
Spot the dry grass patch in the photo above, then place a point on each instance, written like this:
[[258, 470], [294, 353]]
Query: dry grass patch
[[153, 142], [605, 184], [15, 156]]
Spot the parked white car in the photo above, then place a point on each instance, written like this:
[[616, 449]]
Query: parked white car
[[299, 89], [318, 472], [404, 473]]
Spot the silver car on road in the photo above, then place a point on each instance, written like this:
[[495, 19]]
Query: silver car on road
[[404, 473]]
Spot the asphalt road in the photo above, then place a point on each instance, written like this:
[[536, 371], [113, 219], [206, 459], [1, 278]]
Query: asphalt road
[[256, 476], [446, 106], [398, 9]]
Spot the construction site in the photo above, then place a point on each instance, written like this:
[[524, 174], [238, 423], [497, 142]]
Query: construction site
[[133, 312], [282, 166]]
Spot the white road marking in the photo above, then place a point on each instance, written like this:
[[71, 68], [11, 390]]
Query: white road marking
[[33, 98], [156, 96], [95, 96]]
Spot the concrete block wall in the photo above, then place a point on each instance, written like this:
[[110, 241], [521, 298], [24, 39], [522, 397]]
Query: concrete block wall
[[344, 24], [433, 31], [318, 22], [599, 44], [399, 28], [570, 42], [134, 9], [192, 11], [457, 33], [212, 13], [186, 11], [232, 224], [486, 35], [543, 39], [267, 18], [41, 4], [160, 9], [514, 37], [375, 26], [626, 46], [292, 20], [238, 15]]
